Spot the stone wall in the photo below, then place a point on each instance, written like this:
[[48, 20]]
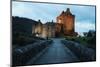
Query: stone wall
[[44, 30]]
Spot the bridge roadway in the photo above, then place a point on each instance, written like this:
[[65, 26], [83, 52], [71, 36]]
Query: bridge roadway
[[55, 53]]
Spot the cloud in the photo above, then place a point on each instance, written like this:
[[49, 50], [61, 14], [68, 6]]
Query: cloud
[[84, 15], [81, 27]]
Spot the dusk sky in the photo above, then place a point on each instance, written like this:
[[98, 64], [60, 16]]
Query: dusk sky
[[84, 15]]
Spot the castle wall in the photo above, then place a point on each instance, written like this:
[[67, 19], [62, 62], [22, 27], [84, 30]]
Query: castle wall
[[44, 31], [69, 24]]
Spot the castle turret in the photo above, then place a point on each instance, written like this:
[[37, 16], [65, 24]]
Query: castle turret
[[68, 11]]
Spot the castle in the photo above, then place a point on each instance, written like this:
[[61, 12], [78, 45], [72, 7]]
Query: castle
[[64, 26]]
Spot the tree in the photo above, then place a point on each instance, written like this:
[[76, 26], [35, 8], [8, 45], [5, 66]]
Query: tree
[[85, 33], [91, 33]]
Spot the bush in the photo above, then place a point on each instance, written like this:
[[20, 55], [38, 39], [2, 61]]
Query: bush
[[87, 41]]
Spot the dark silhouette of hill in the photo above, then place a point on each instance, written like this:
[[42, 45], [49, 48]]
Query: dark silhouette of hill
[[22, 25]]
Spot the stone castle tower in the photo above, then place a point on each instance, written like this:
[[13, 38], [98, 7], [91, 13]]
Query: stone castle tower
[[65, 23]]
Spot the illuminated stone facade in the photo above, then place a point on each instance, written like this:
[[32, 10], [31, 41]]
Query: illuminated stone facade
[[44, 30], [65, 23]]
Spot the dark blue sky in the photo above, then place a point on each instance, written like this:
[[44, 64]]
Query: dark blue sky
[[84, 15]]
